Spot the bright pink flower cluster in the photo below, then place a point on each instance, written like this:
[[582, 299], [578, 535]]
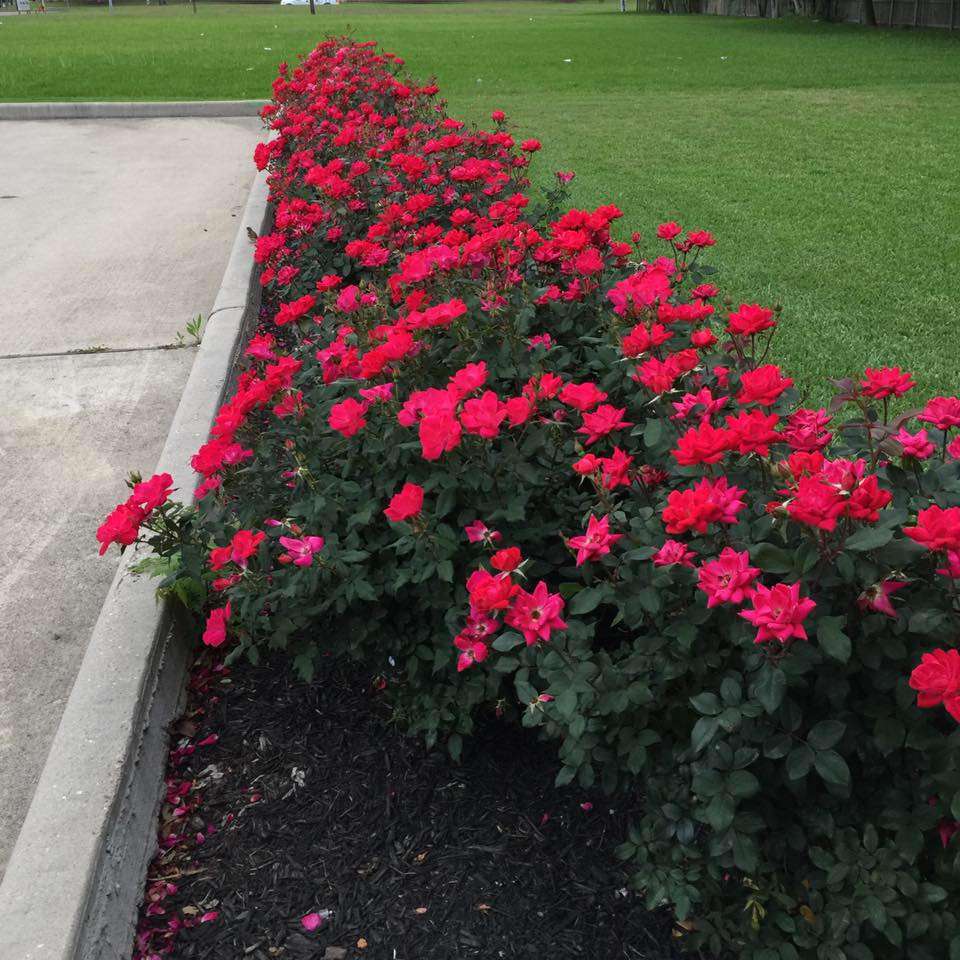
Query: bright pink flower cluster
[[430, 218], [122, 526], [535, 614]]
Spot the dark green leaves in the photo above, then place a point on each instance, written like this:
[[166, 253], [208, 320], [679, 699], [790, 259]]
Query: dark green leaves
[[742, 783], [704, 731], [832, 768], [587, 600], [706, 703], [869, 538], [799, 761], [826, 734], [769, 687], [720, 811], [772, 559], [831, 638]]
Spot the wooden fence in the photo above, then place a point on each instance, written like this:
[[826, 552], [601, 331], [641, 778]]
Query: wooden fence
[[944, 14]]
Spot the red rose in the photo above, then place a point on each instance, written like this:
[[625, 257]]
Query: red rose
[[937, 680], [506, 560], [669, 230], [937, 529], [750, 319], [405, 504], [886, 382], [762, 386]]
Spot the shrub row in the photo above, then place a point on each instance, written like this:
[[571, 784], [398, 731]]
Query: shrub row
[[491, 451]]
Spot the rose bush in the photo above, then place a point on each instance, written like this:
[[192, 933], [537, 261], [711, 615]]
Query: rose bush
[[469, 415]]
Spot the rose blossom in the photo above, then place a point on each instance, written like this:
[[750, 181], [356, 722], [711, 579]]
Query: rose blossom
[[596, 542], [778, 612], [937, 681], [728, 579], [536, 614], [405, 504], [674, 552], [937, 529]]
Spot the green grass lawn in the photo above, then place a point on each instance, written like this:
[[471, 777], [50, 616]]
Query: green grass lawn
[[824, 157]]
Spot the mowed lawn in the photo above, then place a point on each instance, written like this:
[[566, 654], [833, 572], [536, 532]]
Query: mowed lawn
[[826, 158]]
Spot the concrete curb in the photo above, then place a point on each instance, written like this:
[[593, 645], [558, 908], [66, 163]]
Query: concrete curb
[[75, 877], [127, 111]]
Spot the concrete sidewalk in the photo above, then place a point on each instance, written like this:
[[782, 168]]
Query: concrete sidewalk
[[117, 233]]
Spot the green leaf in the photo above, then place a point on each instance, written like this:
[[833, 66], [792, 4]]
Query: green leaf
[[653, 432], [926, 621], [730, 719], [799, 761], [820, 858], [832, 640], [909, 841], [303, 664], [526, 692], [445, 502], [846, 567], [742, 783], [770, 687], [720, 811], [772, 559], [352, 556], [744, 853], [875, 911], [917, 925], [869, 538], [586, 600], [445, 571], [932, 893], [730, 691], [707, 783], [507, 641], [649, 599], [566, 704], [893, 932], [706, 703], [837, 874], [832, 768], [826, 734], [565, 775], [703, 732], [777, 746]]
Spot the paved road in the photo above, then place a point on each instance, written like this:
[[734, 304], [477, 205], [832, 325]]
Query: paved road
[[114, 234]]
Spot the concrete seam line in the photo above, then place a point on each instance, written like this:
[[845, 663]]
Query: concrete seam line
[[213, 313], [97, 351], [75, 876], [129, 110]]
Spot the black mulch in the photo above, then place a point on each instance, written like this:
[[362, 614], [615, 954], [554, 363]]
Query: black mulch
[[415, 857]]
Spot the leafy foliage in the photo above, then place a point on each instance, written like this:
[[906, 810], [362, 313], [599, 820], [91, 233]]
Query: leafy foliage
[[694, 587]]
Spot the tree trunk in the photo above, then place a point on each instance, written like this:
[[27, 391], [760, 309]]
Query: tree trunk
[[869, 14]]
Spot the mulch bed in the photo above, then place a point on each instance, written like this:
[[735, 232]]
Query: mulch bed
[[288, 799]]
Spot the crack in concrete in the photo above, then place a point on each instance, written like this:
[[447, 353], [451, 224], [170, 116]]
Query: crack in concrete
[[239, 306], [95, 351]]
